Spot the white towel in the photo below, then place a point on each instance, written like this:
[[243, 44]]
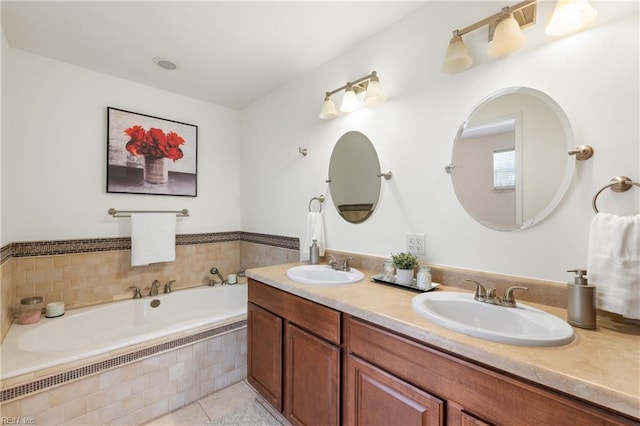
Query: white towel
[[153, 238], [614, 263], [315, 231]]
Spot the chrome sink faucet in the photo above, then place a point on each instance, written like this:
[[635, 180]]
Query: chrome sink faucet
[[489, 296], [333, 262]]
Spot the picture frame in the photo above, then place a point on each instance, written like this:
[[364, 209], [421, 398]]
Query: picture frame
[[151, 155]]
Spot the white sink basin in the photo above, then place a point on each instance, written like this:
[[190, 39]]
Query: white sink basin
[[523, 325], [323, 275]]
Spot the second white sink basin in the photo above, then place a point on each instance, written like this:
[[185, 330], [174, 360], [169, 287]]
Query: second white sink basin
[[523, 325], [323, 275]]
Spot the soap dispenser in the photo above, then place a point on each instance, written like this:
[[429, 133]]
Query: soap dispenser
[[314, 253], [581, 301]]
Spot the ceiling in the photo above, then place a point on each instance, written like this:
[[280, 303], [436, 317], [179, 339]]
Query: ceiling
[[230, 53]]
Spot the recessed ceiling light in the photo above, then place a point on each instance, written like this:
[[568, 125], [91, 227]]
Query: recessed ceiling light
[[164, 63]]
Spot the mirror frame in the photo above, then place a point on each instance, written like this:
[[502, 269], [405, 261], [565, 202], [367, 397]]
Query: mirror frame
[[569, 163], [354, 215]]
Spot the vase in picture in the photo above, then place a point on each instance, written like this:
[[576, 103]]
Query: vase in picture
[[404, 276], [155, 170]]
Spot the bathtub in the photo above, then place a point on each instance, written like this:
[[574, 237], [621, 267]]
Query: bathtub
[[92, 331]]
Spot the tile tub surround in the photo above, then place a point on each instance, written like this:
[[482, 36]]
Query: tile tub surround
[[93, 271], [141, 390], [600, 366], [6, 297]]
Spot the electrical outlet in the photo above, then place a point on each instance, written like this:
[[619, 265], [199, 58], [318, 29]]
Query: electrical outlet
[[416, 244]]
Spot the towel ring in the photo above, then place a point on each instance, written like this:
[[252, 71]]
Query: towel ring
[[320, 200], [617, 184]]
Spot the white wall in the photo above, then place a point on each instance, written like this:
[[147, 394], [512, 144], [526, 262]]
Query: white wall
[[54, 145], [592, 75]]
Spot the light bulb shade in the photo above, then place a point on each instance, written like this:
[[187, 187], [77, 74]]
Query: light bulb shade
[[328, 110], [349, 101], [506, 38], [570, 16], [374, 95], [456, 58]]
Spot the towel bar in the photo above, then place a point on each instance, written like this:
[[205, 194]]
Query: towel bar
[[617, 184], [127, 213]]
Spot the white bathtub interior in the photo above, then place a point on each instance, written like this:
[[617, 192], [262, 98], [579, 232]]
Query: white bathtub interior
[[87, 332]]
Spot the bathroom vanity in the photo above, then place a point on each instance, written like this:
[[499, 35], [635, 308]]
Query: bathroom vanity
[[358, 355]]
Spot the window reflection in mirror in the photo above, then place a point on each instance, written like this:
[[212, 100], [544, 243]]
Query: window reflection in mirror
[[511, 159], [353, 177]]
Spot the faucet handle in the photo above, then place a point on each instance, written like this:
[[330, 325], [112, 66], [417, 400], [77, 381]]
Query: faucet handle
[[481, 293], [136, 294], [508, 299], [167, 286], [345, 264]]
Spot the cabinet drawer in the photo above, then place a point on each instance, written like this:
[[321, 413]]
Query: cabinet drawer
[[488, 394], [322, 321]]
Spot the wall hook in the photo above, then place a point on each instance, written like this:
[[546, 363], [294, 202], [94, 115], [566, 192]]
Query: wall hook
[[386, 175], [303, 151], [449, 168]]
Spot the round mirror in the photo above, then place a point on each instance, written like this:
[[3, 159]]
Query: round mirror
[[354, 179], [510, 163]]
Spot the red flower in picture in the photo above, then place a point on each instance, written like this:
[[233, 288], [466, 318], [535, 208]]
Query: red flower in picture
[[154, 143]]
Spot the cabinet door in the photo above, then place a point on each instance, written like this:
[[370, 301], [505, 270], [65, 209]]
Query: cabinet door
[[469, 420], [375, 397], [264, 354], [312, 379]]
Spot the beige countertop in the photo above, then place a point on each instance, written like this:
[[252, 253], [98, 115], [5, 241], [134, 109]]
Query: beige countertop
[[601, 366]]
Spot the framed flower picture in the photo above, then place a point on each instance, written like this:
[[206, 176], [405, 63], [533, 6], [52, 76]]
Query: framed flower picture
[[150, 155]]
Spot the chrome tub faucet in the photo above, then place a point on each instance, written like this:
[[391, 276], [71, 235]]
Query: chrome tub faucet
[[154, 288], [216, 271]]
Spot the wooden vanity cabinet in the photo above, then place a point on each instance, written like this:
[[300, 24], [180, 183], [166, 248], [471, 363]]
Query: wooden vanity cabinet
[[296, 349], [264, 354], [385, 369], [294, 355], [376, 398]]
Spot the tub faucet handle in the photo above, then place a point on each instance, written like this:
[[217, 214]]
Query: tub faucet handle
[[167, 286], [136, 294]]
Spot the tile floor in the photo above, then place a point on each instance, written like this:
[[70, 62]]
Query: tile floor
[[224, 408]]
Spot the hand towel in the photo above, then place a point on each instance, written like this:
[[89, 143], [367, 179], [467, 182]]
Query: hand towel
[[614, 263], [315, 231], [153, 238]]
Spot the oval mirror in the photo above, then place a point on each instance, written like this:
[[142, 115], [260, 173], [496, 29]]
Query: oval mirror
[[354, 179], [510, 163]]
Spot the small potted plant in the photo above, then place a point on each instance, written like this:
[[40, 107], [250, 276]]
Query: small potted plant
[[405, 264]]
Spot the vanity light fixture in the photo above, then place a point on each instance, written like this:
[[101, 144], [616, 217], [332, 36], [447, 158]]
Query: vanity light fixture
[[507, 37], [570, 16], [370, 84], [505, 27]]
